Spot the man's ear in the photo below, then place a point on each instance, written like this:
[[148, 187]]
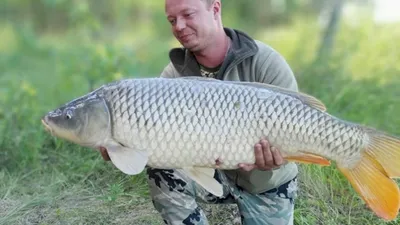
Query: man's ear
[[216, 7]]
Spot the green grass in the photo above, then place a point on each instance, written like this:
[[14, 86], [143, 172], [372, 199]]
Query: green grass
[[48, 181]]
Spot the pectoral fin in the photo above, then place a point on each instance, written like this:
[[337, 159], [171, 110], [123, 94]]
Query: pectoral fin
[[308, 158], [129, 161], [205, 177]]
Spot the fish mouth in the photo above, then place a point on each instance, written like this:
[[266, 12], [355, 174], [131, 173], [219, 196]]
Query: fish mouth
[[46, 125]]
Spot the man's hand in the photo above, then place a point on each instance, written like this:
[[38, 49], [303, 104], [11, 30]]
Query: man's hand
[[267, 157], [104, 154]]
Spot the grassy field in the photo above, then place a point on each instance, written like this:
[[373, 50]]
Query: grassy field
[[49, 181]]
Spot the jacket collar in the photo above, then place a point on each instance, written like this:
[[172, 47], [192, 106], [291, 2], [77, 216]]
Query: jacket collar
[[242, 47]]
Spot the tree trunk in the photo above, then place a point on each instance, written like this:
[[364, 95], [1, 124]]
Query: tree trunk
[[328, 40]]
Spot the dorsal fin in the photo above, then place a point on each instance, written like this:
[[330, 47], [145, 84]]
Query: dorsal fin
[[305, 98], [201, 78]]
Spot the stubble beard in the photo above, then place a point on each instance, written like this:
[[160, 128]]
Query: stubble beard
[[194, 47], [200, 46]]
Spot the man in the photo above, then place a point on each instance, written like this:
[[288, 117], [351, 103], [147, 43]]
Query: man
[[264, 191]]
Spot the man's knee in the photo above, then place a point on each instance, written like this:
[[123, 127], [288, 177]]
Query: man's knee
[[166, 179], [172, 197], [287, 191], [275, 206]]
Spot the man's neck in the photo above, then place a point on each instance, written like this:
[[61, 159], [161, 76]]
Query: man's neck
[[215, 53]]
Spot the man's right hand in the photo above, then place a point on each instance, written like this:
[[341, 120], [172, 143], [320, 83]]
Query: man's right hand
[[104, 154], [267, 158]]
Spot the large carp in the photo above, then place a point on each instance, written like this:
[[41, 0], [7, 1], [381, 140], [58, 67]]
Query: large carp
[[199, 124]]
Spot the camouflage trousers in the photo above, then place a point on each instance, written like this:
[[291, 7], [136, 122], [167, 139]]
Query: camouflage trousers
[[174, 196]]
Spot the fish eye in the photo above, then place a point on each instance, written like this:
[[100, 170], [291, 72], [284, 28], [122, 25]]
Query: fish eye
[[68, 115]]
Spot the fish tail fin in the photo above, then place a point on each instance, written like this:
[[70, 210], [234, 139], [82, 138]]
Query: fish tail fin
[[371, 177], [386, 150]]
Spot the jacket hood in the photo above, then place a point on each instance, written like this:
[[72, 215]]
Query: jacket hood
[[243, 46]]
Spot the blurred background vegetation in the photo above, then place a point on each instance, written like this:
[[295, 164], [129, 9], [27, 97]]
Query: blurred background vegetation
[[345, 52]]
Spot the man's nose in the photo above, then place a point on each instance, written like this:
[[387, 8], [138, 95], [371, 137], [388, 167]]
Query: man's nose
[[180, 24]]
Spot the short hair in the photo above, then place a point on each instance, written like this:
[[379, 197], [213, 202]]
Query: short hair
[[208, 2]]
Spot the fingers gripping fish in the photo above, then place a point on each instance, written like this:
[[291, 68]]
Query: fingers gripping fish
[[199, 124]]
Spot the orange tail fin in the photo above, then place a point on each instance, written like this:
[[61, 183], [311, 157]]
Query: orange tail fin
[[386, 150], [371, 178]]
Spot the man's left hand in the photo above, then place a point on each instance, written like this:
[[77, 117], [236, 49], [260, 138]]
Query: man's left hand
[[267, 157]]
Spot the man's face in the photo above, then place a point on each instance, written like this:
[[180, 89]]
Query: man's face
[[192, 22]]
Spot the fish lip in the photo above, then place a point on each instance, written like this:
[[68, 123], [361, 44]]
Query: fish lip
[[46, 125]]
